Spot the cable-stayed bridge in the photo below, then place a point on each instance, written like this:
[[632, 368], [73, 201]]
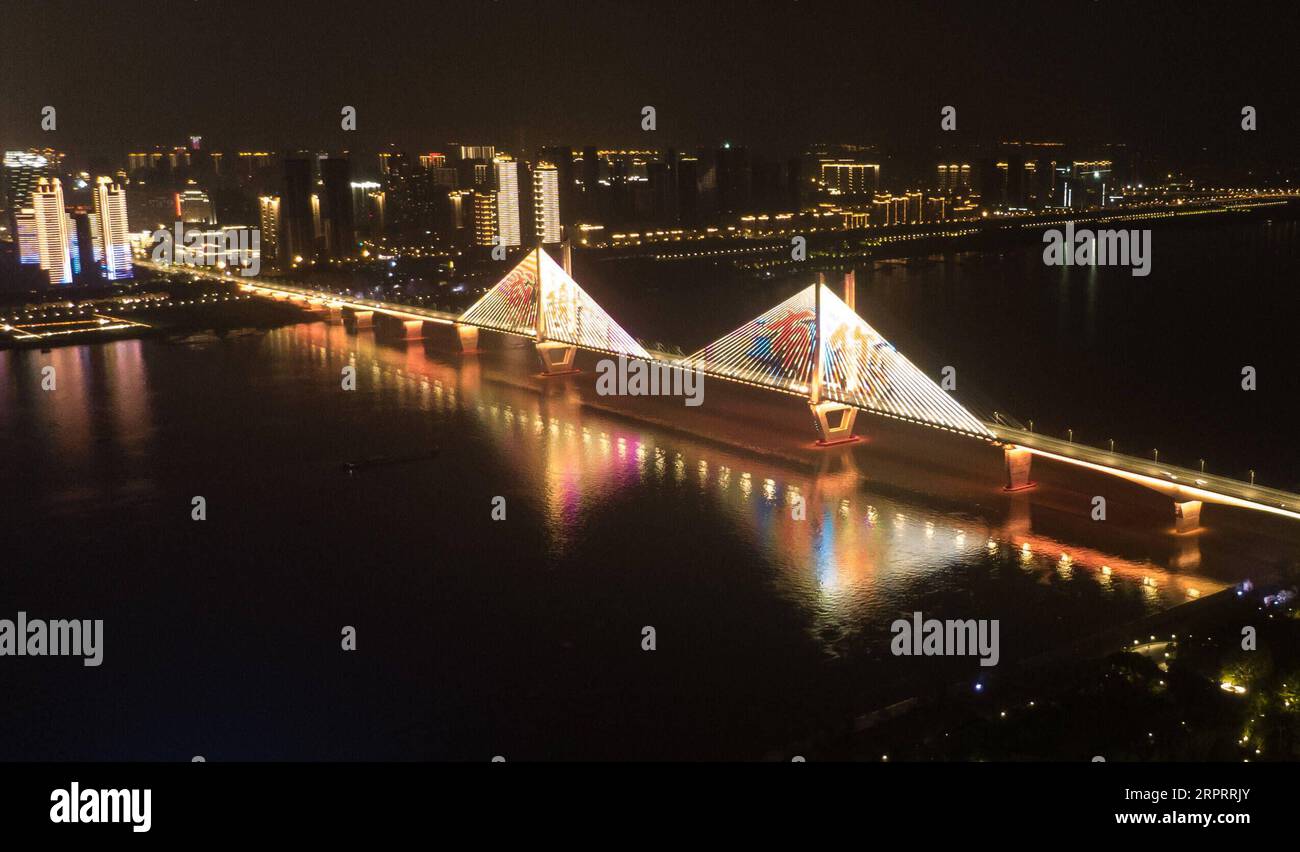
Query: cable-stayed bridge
[[813, 345]]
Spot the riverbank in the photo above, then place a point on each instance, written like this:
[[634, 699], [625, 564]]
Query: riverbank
[[166, 308]]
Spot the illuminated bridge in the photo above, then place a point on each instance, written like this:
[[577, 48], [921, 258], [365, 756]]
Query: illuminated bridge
[[813, 346]]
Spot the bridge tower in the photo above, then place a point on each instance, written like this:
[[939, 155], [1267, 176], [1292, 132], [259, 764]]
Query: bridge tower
[[834, 420], [556, 357]]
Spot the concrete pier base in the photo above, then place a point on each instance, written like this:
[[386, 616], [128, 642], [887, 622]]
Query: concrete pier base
[[1017, 465], [1187, 516], [834, 422], [468, 335], [360, 320], [413, 329], [556, 358]]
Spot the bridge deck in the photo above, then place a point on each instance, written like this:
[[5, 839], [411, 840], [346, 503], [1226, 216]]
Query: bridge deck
[[1178, 482]]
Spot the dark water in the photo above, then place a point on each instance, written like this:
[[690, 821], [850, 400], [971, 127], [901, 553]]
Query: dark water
[[523, 637]]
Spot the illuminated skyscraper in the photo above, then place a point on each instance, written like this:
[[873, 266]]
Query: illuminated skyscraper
[[508, 202], [268, 209], [110, 209], [22, 169], [87, 247], [29, 248], [546, 203], [52, 230], [485, 217]]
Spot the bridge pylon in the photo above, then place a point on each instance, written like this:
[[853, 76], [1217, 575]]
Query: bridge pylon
[[834, 420], [556, 356], [540, 300]]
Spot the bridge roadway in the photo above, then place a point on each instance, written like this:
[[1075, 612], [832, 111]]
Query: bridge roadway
[[1181, 484]]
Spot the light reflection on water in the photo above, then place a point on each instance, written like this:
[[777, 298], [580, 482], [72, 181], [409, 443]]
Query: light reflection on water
[[756, 609], [860, 556]]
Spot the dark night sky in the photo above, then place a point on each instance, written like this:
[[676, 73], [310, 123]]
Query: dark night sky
[[775, 75]]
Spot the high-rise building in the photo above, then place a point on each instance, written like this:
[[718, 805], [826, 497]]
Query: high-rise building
[[114, 233], [460, 203], [561, 156], [508, 202], [255, 166], [87, 248], [1092, 182], [444, 177], [953, 178], [991, 181], [850, 178], [410, 208], [74, 246], [733, 178], [1014, 182], [22, 169], [336, 208], [915, 206], [194, 205], [899, 215], [368, 209], [268, 209], [475, 152], [688, 191], [297, 230], [546, 203], [52, 230], [485, 217], [882, 209], [29, 247]]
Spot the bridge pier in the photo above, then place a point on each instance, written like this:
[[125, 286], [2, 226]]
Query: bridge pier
[[557, 358], [1017, 461], [834, 422], [361, 319], [413, 329], [468, 335], [1187, 515]]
